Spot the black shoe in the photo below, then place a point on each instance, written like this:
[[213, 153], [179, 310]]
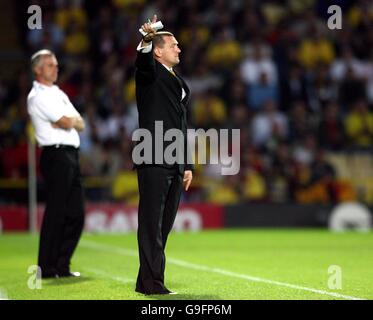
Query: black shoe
[[166, 291], [163, 291], [140, 291], [50, 276], [69, 274]]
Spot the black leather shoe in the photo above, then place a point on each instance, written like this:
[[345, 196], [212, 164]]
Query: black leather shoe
[[140, 291], [49, 276], [164, 291]]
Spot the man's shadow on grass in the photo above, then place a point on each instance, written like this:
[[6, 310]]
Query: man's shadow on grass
[[180, 294], [183, 297], [66, 281]]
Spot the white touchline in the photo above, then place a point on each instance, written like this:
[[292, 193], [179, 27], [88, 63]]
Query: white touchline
[[108, 275], [181, 263]]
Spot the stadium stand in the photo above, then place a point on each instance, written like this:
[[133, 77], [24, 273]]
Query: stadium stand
[[301, 94]]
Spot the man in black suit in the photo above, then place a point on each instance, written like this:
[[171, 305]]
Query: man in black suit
[[161, 95]]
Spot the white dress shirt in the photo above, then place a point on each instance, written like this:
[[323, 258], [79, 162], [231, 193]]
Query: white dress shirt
[[147, 49], [46, 105]]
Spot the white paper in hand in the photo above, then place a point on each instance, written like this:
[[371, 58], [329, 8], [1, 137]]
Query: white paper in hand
[[155, 26]]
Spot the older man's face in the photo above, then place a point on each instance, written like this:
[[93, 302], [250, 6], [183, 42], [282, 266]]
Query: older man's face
[[48, 69]]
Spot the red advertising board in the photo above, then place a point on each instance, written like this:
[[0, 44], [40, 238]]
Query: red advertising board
[[115, 217], [13, 218]]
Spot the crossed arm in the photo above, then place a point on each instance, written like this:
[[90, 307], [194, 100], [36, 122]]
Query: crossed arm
[[70, 123]]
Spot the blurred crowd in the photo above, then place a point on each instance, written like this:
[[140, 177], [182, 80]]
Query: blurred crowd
[[296, 89]]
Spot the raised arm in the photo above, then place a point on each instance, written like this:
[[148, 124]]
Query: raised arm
[[145, 64]]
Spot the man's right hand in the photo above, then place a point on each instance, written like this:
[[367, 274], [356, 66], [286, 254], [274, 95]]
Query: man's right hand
[[68, 123], [150, 32]]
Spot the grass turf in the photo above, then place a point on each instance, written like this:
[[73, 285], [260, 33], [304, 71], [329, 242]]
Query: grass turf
[[203, 265]]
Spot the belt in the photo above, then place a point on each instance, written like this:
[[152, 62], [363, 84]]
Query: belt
[[60, 146]]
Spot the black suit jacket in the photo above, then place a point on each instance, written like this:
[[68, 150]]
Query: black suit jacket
[[158, 95]]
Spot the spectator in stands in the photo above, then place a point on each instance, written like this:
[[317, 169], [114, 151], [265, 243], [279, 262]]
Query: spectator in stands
[[233, 90], [301, 122], [257, 62], [69, 11], [351, 89], [322, 90], [209, 111], [239, 117], [279, 173], [359, 126], [223, 53], [14, 159], [259, 93], [194, 31], [340, 66], [203, 79], [322, 170], [50, 36], [315, 49], [226, 192], [294, 87], [304, 151], [125, 186], [319, 186], [331, 129], [253, 186], [269, 126], [76, 40]]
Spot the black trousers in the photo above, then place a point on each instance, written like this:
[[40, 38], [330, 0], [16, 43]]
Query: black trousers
[[160, 190], [64, 212]]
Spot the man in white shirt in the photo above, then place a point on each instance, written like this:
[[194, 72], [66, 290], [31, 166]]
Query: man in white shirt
[[56, 123]]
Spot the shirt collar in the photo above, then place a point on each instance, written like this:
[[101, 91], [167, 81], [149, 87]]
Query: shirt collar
[[40, 85], [169, 69]]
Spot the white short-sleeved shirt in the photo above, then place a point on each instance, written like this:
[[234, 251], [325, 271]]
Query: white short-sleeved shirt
[[46, 105]]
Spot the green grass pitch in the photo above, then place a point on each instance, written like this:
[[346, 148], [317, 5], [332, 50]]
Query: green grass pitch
[[238, 264]]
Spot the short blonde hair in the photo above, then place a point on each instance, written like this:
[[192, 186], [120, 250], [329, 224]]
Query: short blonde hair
[[158, 40]]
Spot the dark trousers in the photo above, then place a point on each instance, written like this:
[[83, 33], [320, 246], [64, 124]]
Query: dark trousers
[[160, 190], [64, 212]]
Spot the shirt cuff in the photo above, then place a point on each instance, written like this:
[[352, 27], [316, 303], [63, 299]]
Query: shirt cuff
[[144, 49]]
